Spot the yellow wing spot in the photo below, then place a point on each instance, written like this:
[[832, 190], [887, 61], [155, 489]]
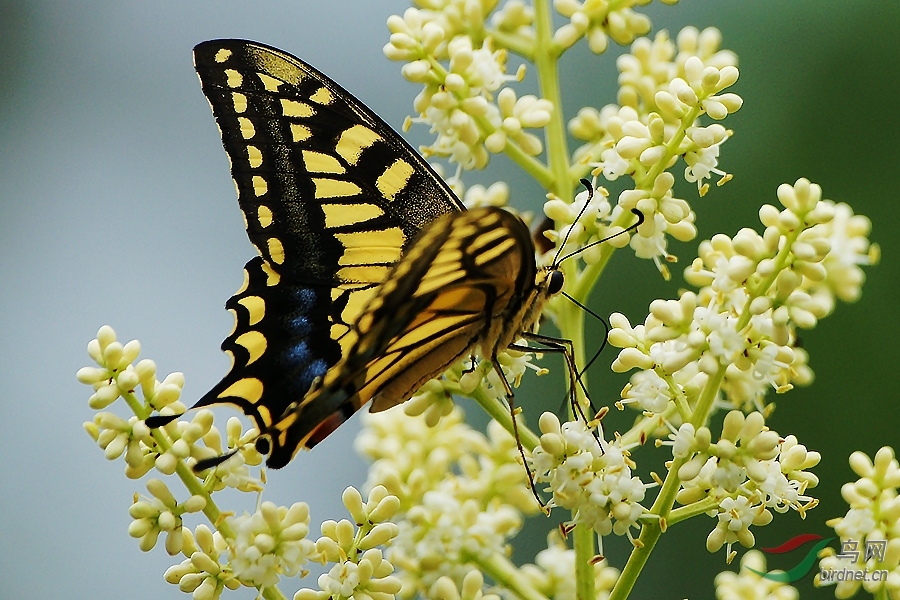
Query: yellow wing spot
[[244, 216], [235, 324], [464, 231], [333, 188], [367, 256], [240, 102], [339, 215], [367, 273], [270, 83], [272, 277], [337, 330], [247, 128], [322, 96], [394, 179], [442, 268], [264, 216], [249, 388], [353, 141], [485, 239], [222, 55], [300, 133], [317, 162], [433, 284], [391, 237], [254, 342], [233, 78], [452, 256], [435, 328], [260, 187], [254, 157], [292, 108], [245, 284], [256, 308], [276, 250], [357, 302], [495, 252]]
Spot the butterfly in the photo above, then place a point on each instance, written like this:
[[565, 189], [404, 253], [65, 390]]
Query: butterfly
[[372, 277]]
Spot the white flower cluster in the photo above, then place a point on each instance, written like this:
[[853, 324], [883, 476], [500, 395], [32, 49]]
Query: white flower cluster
[[447, 49], [600, 21], [270, 543], [748, 584], [662, 97], [461, 493], [435, 398], [553, 572], [747, 473], [739, 330], [360, 569], [203, 575], [161, 513], [167, 447], [472, 588], [588, 476], [872, 523]]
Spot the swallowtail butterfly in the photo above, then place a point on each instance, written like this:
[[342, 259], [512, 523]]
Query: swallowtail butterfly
[[372, 277]]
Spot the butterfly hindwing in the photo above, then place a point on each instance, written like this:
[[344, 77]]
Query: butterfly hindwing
[[331, 198]]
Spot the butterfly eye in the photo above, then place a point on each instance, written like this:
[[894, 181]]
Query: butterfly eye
[[556, 282]]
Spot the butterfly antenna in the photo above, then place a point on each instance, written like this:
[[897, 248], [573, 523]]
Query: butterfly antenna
[[605, 336], [590, 191], [640, 217]]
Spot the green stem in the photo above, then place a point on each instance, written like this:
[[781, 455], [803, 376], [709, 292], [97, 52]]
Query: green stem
[[548, 78], [513, 42], [583, 544], [571, 322], [499, 411], [646, 426], [692, 510], [504, 573], [272, 593], [194, 486], [188, 478], [662, 506]]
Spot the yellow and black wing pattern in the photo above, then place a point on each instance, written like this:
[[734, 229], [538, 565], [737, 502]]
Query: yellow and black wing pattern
[[461, 287], [349, 299]]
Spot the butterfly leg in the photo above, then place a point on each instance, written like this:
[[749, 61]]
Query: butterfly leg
[[510, 400], [470, 369], [563, 346]]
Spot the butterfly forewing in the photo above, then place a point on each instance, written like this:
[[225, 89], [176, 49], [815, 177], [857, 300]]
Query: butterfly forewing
[[331, 197], [456, 291]]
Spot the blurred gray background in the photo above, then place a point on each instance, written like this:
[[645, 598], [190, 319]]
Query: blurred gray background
[[116, 207]]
